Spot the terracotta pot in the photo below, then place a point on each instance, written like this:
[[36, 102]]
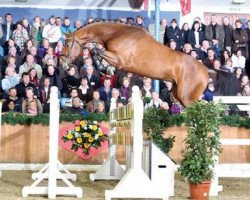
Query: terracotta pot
[[200, 191]]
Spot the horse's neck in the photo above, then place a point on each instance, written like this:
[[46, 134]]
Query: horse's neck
[[99, 33]]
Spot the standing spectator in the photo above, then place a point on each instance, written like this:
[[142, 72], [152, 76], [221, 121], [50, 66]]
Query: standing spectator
[[52, 32], [163, 26], [184, 31], [240, 39], [25, 82], [228, 33], [26, 25], [20, 35], [7, 27], [215, 34], [248, 45], [139, 22], [173, 33], [59, 22], [66, 27], [78, 24], [39, 36], [34, 30], [195, 36], [202, 26], [30, 63]]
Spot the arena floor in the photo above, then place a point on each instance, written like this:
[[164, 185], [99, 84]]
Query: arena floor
[[12, 182]]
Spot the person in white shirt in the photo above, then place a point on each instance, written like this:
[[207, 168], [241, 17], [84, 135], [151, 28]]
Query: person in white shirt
[[238, 59], [30, 64], [52, 32]]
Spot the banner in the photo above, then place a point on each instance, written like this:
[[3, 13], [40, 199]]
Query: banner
[[185, 7]]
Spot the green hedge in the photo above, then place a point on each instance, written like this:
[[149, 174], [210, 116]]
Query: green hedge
[[153, 116]]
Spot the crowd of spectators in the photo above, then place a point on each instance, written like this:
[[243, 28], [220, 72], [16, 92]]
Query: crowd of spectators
[[30, 52]]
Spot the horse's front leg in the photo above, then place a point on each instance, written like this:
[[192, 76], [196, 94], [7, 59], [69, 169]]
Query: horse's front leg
[[110, 57]]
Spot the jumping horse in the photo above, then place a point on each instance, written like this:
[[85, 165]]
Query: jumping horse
[[132, 49]]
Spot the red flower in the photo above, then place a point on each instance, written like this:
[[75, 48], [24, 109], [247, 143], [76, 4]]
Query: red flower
[[77, 122]]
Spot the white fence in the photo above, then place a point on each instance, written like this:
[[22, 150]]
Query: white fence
[[241, 170]]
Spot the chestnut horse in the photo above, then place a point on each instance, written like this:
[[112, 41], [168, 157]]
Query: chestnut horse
[[133, 50]]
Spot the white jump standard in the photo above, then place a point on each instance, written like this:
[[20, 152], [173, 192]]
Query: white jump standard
[[52, 171]]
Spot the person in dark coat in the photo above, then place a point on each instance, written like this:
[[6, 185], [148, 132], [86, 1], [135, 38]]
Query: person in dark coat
[[173, 33], [228, 33], [8, 27], [195, 36]]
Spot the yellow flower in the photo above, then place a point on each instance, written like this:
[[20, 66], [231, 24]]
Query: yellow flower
[[86, 145], [83, 123], [77, 128], [70, 136], [100, 133], [79, 140], [86, 134], [94, 127], [91, 139]]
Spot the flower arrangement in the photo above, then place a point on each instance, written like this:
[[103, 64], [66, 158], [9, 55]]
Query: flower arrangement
[[86, 134]]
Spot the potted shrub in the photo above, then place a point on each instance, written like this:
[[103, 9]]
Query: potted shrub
[[203, 120]]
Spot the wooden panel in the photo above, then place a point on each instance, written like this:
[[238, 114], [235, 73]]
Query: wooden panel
[[29, 144]]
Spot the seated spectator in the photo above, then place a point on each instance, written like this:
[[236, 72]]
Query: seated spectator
[[32, 108], [208, 94], [202, 52], [125, 90], [109, 74], [93, 80], [30, 97], [166, 92], [244, 81], [85, 92], [105, 91], [67, 102], [49, 55], [25, 82], [208, 61], [228, 66], [246, 90], [33, 77], [11, 43], [238, 60], [10, 80], [147, 88], [100, 107], [9, 59], [239, 73], [9, 106], [115, 94], [30, 63], [173, 45], [12, 95], [44, 94], [155, 101], [26, 48], [187, 48], [88, 64], [58, 49], [55, 79], [164, 105], [92, 105], [69, 82], [76, 107], [42, 50], [176, 107], [224, 56]]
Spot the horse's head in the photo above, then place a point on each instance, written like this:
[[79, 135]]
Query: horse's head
[[71, 50]]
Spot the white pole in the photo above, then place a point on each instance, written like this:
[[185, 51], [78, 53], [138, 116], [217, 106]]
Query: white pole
[[137, 128], [53, 141]]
